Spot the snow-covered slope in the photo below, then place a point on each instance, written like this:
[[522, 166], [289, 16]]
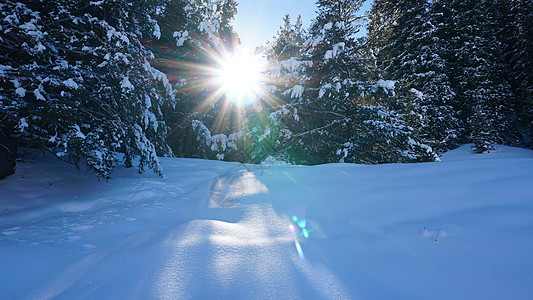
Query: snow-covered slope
[[461, 228]]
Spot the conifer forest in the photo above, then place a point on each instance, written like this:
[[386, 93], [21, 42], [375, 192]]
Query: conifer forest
[[102, 83]]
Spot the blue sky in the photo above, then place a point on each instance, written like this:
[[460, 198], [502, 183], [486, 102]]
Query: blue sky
[[258, 20]]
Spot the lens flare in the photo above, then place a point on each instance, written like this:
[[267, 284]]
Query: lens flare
[[226, 83], [301, 225], [298, 227], [240, 77], [305, 233], [299, 249]]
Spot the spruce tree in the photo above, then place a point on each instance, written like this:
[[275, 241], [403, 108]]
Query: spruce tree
[[406, 40], [329, 82], [385, 127], [388, 25], [270, 125], [477, 72], [201, 38], [342, 116], [76, 81], [517, 38]]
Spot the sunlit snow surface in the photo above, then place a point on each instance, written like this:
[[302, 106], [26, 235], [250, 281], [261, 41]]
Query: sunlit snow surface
[[457, 229]]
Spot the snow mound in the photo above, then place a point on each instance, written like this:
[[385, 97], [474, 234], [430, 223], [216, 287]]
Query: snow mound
[[228, 189], [219, 230], [465, 153]]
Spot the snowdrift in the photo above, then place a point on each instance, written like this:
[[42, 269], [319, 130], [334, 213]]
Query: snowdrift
[[461, 228]]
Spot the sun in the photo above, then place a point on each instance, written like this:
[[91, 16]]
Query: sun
[[240, 77]]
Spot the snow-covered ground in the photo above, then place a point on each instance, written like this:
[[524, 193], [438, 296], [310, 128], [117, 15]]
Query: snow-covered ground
[[461, 228]]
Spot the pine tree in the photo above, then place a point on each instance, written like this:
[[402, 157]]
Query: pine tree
[[329, 82], [287, 41], [438, 103], [383, 125], [478, 74], [270, 125], [388, 28], [406, 39], [78, 84], [340, 114], [200, 41], [384, 128], [517, 39]]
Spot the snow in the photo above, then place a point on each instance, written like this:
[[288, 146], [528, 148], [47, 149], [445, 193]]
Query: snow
[[37, 93], [386, 84], [21, 92], [157, 31], [417, 93], [3, 70], [158, 75], [76, 132], [113, 33], [23, 124], [39, 47], [126, 84], [265, 134], [219, 142], [323, 90], [337, 49], [181, 37], [297, 91], [71, 84], [29, 26], [461, 228], [210, 28], [294, 64]]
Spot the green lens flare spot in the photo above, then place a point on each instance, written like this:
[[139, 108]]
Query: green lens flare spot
[[295, 219], [302, 223]]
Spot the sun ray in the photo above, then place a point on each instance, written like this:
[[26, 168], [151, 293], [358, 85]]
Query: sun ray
[[240, 77], [224, 88]]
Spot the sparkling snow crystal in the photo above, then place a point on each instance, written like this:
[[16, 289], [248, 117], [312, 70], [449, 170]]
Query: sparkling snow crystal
[[71, 84]]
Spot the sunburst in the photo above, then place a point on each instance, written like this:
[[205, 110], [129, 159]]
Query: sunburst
[[240, 77]]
